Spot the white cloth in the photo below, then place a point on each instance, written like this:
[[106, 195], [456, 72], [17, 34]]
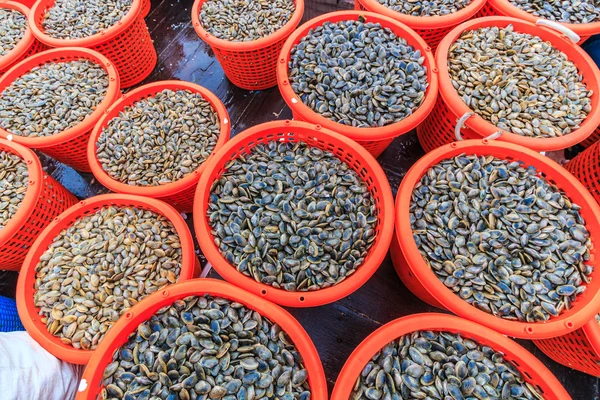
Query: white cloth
[[28, 372]]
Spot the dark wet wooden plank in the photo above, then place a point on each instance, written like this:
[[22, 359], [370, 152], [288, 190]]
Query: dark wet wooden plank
[[336, 329]]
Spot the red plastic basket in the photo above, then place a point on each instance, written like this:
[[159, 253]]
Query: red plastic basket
[[375, 140], [249, 65], [530, 367], [179, 194], [586, 168], [91, 383], [29, 313], [347, 150], [68, 147], [127, 44], [504, 7], [27, 46], [45, 199], [421, 280], [439, 127], [431, 29]]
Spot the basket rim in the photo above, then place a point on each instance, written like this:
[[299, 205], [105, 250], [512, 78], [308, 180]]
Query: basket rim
[[443, 322], [50, 56], [359, 134], [26, 41], [567, 321], [251, 45], [147, 307], [138, 94], [484, 128], [28, 312], [32, 195], [506, 8], [425, 22], [280, 296], [40, 6]]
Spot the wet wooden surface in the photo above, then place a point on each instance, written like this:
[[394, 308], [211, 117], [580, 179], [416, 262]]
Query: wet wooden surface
[[336, 329]]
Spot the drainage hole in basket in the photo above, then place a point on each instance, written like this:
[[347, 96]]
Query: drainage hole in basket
[[263, 292], [301, 298]]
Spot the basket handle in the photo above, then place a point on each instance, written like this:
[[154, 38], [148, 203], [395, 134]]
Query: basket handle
[[461, 122], [573, 37]]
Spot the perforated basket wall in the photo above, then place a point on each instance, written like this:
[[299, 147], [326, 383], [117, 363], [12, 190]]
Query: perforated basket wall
[[430, 29], [586, 168], [127, 44], [132, 52], [438, 129], [592, 139], [345, 149], [45, 199], [179, 194], [575, 349], [249, 65], [146, 5], [69, 146]]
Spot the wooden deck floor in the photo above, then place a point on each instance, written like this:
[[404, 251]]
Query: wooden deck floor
[[336, 329]]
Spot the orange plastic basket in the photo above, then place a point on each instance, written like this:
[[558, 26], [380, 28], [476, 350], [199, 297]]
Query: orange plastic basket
[[179, 194], [579, 349], [69, 146], [249, 65], [504, 7], [347, 150], [375, 140], [29, 313], [431, 29], [127, 43], [27, 46], [91, 383], [586, 168], [439, 127], [530, 367], [421, 280], [45, 199]]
